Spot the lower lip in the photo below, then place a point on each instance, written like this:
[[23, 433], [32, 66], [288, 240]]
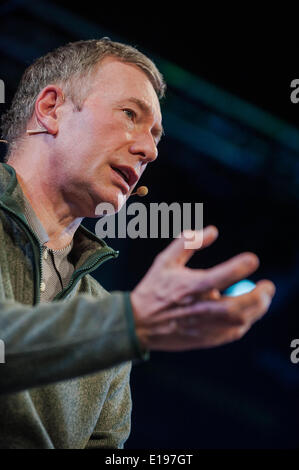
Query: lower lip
[[121, 181]]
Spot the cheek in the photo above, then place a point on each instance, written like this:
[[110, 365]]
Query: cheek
[[92, 137], [106, 135]]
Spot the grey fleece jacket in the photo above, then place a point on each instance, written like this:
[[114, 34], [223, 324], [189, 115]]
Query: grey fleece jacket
[[65, 382]]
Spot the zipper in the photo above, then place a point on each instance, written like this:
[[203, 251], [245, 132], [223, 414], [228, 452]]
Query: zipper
[[110, 253], [82, 271]]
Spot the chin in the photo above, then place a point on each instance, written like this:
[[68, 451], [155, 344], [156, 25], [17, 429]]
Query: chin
[[119, 201], [110, 203]]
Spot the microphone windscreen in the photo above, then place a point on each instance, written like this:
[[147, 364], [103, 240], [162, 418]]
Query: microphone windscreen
[[142, 191]]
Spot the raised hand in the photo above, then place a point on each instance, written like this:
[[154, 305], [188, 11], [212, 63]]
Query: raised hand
[[177, 308]]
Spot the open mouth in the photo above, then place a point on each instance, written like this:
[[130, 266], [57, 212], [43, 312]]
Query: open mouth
[[128, 174], [123, 174]]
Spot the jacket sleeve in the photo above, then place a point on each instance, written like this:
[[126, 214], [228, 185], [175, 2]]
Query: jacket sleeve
[[66, 339], [114, 424]]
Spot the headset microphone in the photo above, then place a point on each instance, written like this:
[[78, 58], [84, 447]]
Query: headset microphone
[[141, 191]]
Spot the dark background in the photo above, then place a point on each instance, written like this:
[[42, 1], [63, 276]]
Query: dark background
[[231, 142]]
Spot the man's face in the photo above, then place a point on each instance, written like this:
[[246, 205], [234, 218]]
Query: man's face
[[102, 150]]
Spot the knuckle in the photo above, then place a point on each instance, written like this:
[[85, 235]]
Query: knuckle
[[205, 307], [230, 309], [174, 297], [180, 292], [204, 284], [177, 298], [235, 315], [204, 280]]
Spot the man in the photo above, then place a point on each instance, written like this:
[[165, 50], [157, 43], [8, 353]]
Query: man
[[82, 128]]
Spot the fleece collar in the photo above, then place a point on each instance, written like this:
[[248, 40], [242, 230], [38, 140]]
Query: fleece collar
[[86, 243]]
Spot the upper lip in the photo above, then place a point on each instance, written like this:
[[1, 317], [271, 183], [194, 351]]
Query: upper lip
[[129, 172]]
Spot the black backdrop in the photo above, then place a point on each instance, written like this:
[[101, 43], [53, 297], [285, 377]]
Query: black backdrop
[[244, 167]]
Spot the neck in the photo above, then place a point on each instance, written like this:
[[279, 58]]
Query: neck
[[48, 203]]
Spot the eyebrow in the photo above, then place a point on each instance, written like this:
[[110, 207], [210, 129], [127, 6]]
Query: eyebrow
[[146, 109]]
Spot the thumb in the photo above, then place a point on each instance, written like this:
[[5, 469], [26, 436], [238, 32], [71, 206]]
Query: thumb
[[179, 251]]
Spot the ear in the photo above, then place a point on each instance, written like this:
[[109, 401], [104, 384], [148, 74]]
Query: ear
[[47, 108]]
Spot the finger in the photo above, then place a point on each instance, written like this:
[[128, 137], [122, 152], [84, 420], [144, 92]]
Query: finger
[[223, 275], [239, 311], [209, 308], [264, 288], [247, 308], [213, 294], [256, 305], [268, 286], [196, 240], [229, 309], [178, 253]]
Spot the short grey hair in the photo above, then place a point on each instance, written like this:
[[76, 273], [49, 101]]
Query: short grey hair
[[70, 66]]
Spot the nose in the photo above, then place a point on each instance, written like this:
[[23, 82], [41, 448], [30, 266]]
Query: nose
[[146, 147]]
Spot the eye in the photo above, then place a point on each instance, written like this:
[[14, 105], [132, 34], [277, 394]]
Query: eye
[[130, 113]]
